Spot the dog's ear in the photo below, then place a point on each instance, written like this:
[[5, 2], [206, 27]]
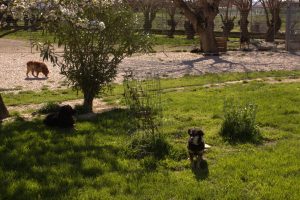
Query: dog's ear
[[200, 132]]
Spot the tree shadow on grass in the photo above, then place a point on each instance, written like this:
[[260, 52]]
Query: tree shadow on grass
[[201, 172], [56, 161], [115, 122]]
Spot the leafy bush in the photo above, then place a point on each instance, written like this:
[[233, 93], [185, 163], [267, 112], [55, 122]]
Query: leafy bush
[[239, 123], [143, 145], [48, 108]]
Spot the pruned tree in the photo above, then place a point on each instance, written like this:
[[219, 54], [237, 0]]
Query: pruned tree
[[244, 7], [149, 8], [3, 110], [201, 13], [171, 10], [272, 11], [189, 30], [227, 19]]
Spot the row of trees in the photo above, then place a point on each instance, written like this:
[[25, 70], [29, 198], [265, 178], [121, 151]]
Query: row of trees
[[32, 15], [201, 14], [272, 12]]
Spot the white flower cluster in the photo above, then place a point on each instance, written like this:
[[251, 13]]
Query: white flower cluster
[[97, 25], [72, 14], [55, 10], [90, 25], [69, 13]]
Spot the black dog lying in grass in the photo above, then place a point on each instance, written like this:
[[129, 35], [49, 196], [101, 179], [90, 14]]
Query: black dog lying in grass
[[62, 119], [196, 145]]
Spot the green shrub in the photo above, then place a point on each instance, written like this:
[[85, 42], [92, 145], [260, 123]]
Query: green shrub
[[147, 145], [239, 123], [48, 108]]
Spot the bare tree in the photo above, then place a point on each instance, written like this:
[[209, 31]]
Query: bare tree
[[227, 19], [3, 111], [202, 16], [171, 10], [149, 9], [272, 7], [244, 6]]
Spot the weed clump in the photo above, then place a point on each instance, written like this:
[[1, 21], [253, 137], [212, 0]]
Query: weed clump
[[239, 123], [142, 146]]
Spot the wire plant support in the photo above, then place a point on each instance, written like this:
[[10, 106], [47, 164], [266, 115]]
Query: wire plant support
[[143, 99]]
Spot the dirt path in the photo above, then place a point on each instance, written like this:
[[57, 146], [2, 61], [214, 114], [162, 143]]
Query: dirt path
[[14, 55]]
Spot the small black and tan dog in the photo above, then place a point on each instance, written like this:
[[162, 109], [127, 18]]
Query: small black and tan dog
[[196, 145], [62, 119]]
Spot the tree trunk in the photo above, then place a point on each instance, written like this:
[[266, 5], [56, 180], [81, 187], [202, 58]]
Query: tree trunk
[[228, 25], [172, 23], [3, 111], [189, 30], [274, 26], [88, 102], [245, 37], [202, 18], [149, 16], [207, 39]]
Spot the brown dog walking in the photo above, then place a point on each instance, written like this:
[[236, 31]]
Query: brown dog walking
[[37, 67]]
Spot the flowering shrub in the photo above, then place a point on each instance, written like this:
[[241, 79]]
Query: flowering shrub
[[96, 36]]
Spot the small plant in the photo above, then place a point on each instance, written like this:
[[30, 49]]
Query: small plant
[[239, 123], [143, 145], [48, 108]]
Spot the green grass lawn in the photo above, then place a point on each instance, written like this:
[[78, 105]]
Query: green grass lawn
[[90, 162]]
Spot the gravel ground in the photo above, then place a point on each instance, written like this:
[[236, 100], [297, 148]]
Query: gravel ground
[[14, 55]]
